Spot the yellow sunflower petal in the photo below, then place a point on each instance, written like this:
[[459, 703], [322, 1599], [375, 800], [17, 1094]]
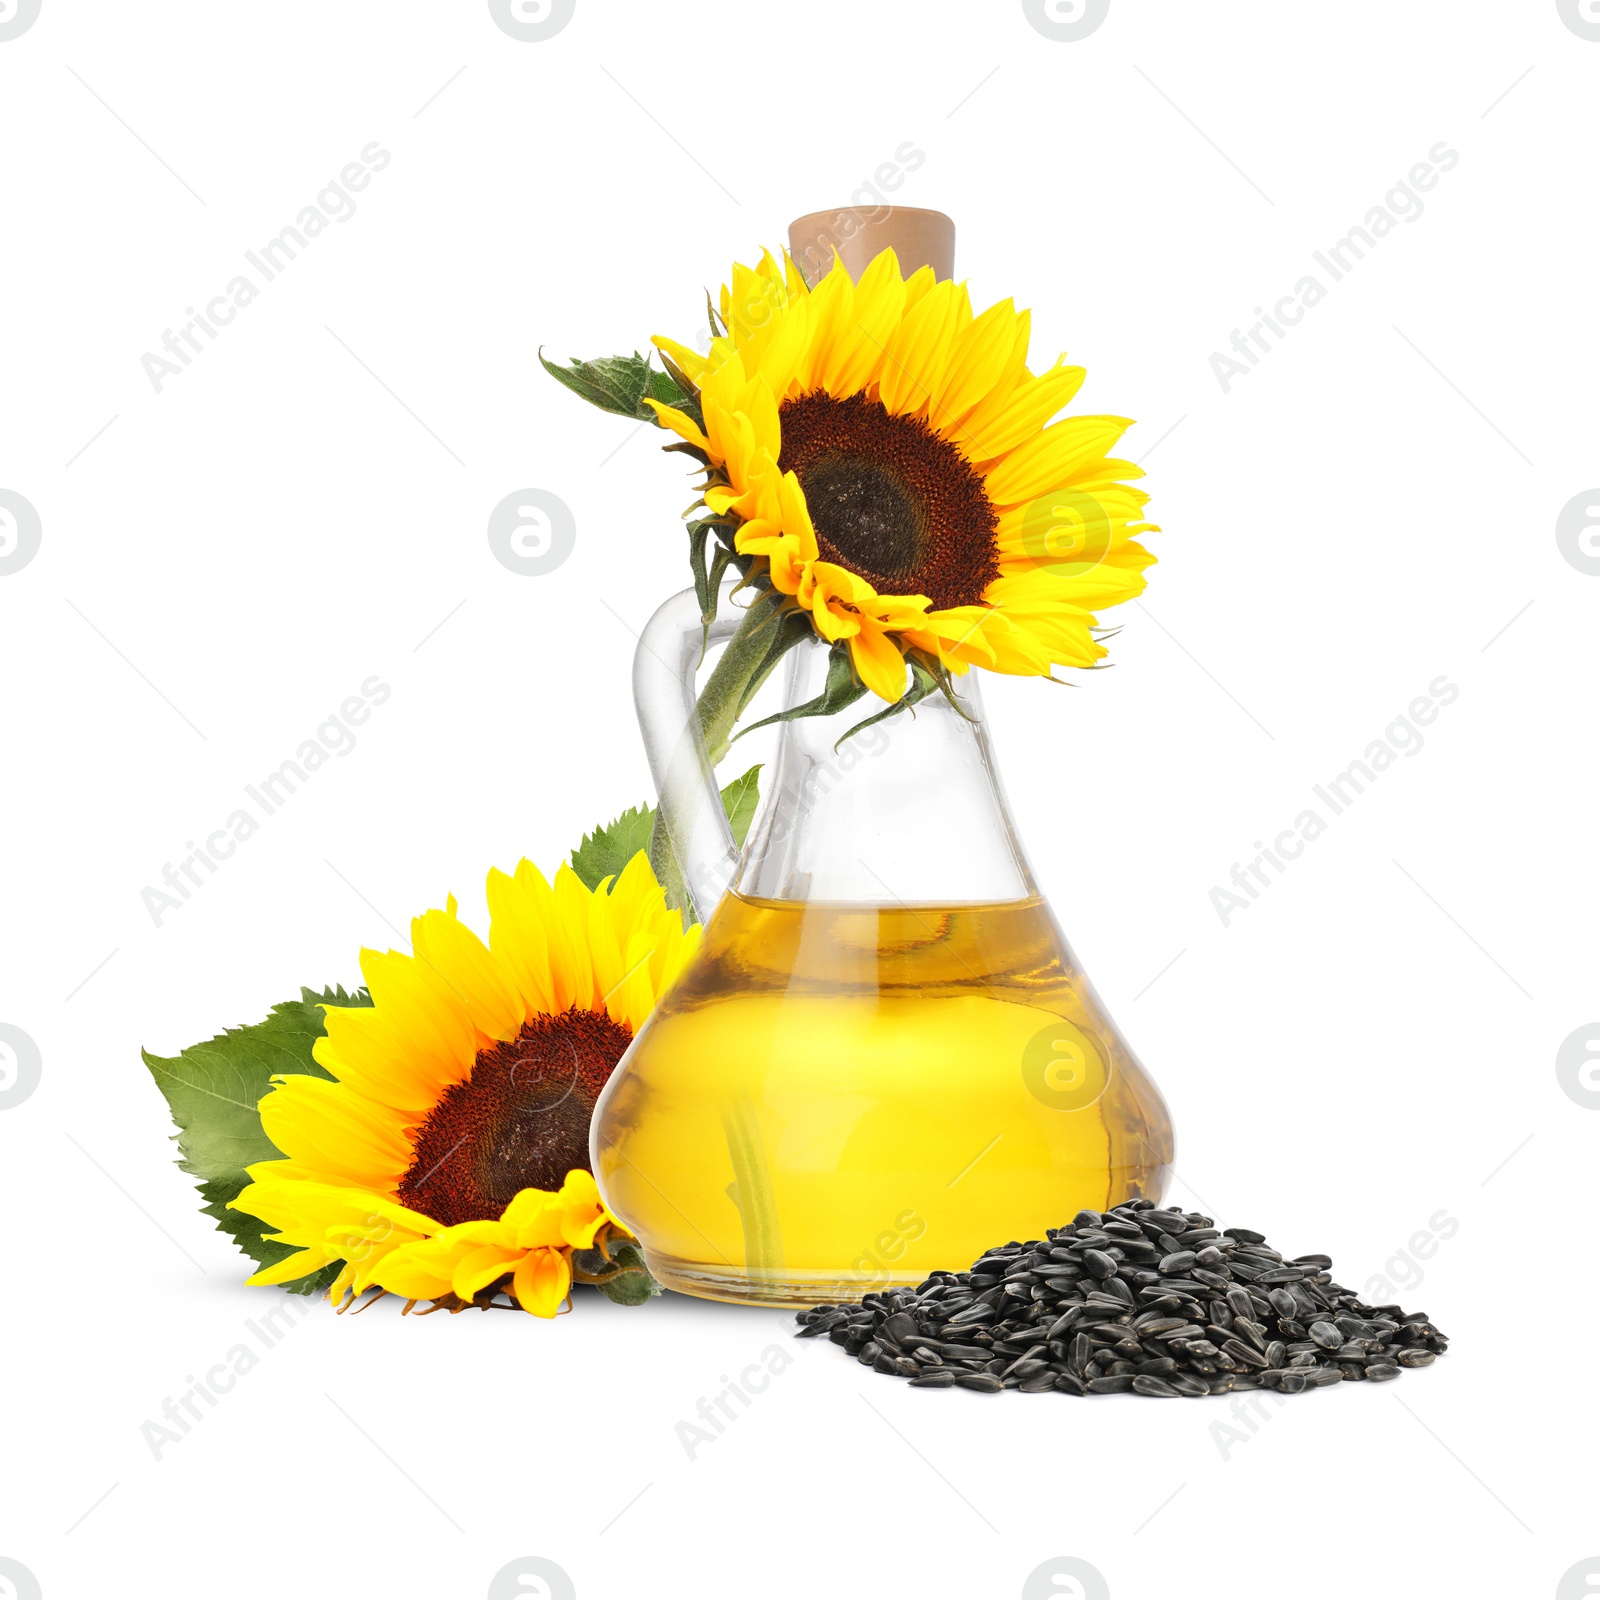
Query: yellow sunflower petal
[[689, 362], [680, 423], [857, 352], [419, 1271], [287, 1270], [978, 357], [917, 355], [1050, 459], [541, 1282], [337, 1131], [879, 663], [480, 1267], [990, 431], [464, 964]]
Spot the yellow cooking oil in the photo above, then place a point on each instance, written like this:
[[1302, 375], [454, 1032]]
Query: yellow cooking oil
[[836, 1098]]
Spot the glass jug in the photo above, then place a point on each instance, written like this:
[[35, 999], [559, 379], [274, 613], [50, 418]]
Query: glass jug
[[884, 1058]]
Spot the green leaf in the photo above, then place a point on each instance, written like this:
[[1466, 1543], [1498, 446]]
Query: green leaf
[[739, 801], [664, 387], [250, 1234], [605, 852], [213, 1091], [724, 558], [843, 688], [619, 384], [699, 537], [708, 579]]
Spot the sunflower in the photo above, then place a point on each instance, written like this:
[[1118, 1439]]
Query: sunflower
[[449, 1153], [889, 458]]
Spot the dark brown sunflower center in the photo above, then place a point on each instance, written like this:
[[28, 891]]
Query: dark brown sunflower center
[[520, 1121], [891, 499]]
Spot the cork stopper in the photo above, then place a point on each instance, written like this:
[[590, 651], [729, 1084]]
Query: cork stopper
[[858, 233]]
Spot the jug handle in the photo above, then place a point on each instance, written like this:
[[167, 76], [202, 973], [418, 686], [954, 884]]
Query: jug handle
[[691, 846]]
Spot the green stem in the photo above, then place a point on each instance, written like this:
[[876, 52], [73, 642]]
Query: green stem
[[746, 663], [751, 1189]]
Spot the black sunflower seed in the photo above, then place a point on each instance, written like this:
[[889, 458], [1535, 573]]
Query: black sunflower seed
[[1144, 1383], [1132, 1293], [1239, 1351], [983, 1382], [1157, 1366], [1119, 1383], [900, 1327]]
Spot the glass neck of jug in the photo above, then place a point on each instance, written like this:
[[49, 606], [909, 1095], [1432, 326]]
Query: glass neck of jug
[[907, 811]]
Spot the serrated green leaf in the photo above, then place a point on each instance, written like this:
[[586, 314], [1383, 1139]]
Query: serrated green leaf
[[619, 384], [842, 688], [213, 1089], [250, 1235], [605, 852], [664, 387], [335, 996]]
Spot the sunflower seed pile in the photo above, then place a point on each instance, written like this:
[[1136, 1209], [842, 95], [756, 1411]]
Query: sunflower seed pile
[[1135, 1300]]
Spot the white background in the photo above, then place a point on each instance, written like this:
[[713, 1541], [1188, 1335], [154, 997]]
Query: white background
[[1371, 1043]]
